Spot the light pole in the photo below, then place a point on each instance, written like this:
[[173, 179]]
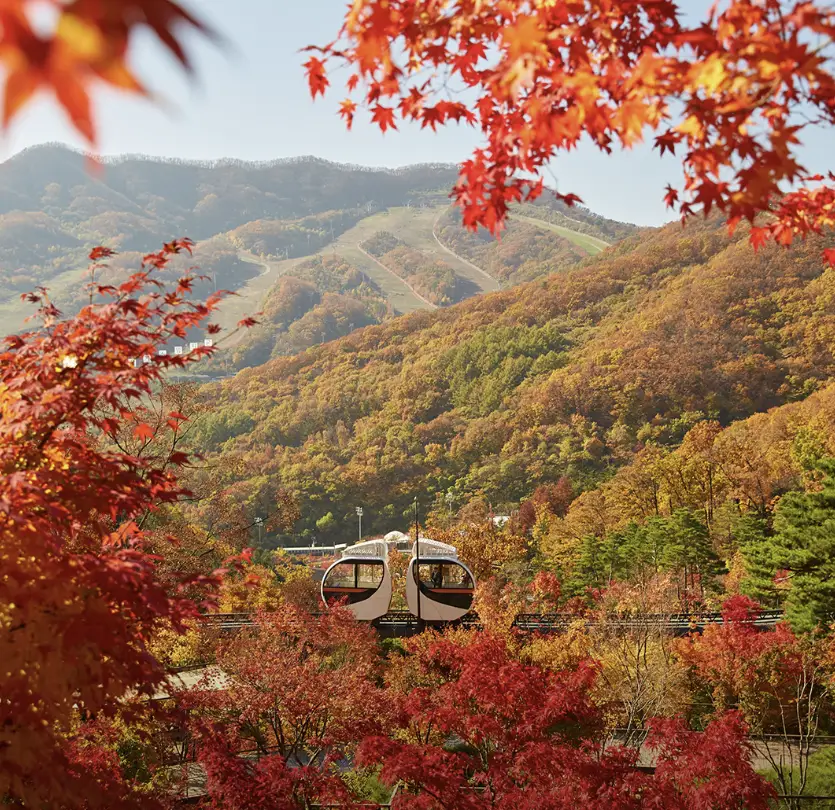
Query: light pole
[[449, 498], [259, 522], [417, 562], [359, 518]]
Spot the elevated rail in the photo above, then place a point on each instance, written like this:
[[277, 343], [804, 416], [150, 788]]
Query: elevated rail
[[681, 622], [401, 623], [321, 550]]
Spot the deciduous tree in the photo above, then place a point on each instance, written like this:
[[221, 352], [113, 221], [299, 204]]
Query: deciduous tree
[[489, 731], [301, 691], [731, 94], [80, 595], [779, 681]]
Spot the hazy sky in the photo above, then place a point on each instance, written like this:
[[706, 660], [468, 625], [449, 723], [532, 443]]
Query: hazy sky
[[253, 103]]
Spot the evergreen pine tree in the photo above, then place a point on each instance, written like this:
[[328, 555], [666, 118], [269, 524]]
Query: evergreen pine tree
[[804, 544], [689, 552], [643, 548], [757, 547], [612, 553], [590, 568]]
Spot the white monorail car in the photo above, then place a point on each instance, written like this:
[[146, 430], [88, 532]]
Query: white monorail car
[[362, 575], [442, 583]]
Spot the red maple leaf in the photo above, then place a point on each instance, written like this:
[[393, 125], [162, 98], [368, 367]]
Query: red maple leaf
[[383, 117], [316, 77], [144, 432], [100, 252], [758, 237]]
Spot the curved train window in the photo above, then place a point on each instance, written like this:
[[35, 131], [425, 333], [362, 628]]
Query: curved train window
[[444, 575], [351, 575]]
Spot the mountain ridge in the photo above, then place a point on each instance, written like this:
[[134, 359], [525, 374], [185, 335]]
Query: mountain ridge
[[277, 213]]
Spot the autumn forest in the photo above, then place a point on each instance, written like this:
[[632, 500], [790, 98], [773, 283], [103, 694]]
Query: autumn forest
[[428, 488]]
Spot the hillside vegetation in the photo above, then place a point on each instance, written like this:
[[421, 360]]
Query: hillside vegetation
[[254, 223], [325, 297], [568, 376], [526, 250]]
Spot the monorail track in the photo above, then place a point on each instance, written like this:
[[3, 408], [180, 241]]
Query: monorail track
[[401, 624]]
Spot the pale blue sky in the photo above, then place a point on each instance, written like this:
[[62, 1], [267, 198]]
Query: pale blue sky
[[254, 104]]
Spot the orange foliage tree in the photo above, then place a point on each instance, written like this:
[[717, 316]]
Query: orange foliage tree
[[80, 595], [301, 691], [731, 93]]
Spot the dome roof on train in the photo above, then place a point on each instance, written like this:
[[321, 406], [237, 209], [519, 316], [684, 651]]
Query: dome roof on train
[[434, 548], [370, 548]]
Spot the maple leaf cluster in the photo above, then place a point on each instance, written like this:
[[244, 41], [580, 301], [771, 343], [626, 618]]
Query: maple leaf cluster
[[301, 691], [481, 729], [87, 43], [731, 95], [80, 595]]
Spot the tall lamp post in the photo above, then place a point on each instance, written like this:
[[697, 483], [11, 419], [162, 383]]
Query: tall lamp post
[[417, 562], [450, 499], [359, 518], [259, 522]]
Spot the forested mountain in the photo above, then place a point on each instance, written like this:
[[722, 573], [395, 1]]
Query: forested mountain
[[203, 198], [52, 211], [568, 376], [258, 224]]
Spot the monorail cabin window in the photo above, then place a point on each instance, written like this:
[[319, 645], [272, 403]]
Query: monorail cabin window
[[360, 575], [444, 575]]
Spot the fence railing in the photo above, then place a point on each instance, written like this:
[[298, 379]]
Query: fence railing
[[405, 623]]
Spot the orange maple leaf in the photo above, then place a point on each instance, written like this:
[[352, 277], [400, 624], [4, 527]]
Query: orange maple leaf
[[316, 77], [144, 432], [758, 237], [347, 109], [383, 117]]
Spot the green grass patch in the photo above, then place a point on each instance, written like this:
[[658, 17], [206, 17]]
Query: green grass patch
[[591, 244]]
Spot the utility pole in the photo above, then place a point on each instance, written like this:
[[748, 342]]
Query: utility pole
[[417, 561], [359, 518]]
